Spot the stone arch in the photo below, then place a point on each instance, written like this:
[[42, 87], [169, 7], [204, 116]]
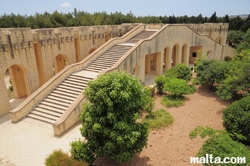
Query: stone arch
[[19, 80], [60, 62], [176, 56], [218, 39], [167, 58], [92, 50], [184, 54]]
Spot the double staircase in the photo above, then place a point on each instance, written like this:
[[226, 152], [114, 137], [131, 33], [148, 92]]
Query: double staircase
[[52, 107]]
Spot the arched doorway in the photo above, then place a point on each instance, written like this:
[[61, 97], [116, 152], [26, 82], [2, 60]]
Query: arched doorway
[[60, 62], [18, 81]]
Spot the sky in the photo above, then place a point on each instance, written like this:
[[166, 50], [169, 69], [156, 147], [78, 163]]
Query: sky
[[137, 7]]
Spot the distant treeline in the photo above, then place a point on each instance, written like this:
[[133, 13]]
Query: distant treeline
[[81, 18]]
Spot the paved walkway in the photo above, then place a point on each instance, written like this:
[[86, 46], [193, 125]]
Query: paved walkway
[[29, 142]]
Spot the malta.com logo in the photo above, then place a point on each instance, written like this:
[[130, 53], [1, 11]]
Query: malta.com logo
[[209, 159]]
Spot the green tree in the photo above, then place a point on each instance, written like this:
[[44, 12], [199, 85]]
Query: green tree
[[220, 144], [236, 81], [236, 118], [213, 18], [235, 23], [211, 72], [160, 81], [177, 87], [180, 71], [109, 120]]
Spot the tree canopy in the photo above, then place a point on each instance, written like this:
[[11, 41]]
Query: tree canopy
[[82, 18], [109, 120]]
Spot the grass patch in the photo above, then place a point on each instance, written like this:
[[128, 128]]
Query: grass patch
[[172, 101], [159, 119]]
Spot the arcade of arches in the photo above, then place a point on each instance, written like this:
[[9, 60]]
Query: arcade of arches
[[158, 63]]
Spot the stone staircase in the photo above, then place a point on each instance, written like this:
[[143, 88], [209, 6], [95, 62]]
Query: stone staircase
[[56, 103]]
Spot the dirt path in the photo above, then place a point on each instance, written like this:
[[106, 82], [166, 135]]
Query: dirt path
[[172, 146]]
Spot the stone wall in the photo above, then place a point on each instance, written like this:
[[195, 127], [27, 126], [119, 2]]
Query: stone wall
[[37, 55]]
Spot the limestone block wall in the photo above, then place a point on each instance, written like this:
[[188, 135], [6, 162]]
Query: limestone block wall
[[37, 55], [216, 31], [17, 56]]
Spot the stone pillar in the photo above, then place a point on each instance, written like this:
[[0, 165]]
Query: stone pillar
[[178, 55], [147, 63], [159, 63], [186, 56], [168, 59], [4, 98]]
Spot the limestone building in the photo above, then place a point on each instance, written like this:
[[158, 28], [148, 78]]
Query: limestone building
[[44, 64]]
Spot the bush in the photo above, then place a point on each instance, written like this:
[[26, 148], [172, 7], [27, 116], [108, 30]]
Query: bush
[[159, 119], [220, 144], [236, 118], [160, 81], [172, 101], [59, 158], [177, 87], [109, 120], [180, 71]]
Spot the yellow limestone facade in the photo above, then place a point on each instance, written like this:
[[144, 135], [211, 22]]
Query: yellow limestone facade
[[39, 60], [32, 57]]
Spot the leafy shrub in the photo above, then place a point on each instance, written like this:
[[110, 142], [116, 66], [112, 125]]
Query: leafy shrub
[[172, 101], [59, 158], [211, 72], [180, 71], [160, 81], [177, 87], [109, 120], [220, 144], [159, 119], [237, 80], [236, 118]]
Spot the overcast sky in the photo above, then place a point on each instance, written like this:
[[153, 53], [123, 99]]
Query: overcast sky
[[137, 7]]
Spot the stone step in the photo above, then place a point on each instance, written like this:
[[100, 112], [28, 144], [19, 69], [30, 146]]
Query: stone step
[[78, 80], [93, 70], [59, 99], [72, 89], [64, 94], [79, 87], [68, 98], [45, 113], [54, 105], [106, 60], [49, 108], [74, 83], [67, 91], [41, 118], [79, 77], [102, 64], [98, 67], [56, 102]]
